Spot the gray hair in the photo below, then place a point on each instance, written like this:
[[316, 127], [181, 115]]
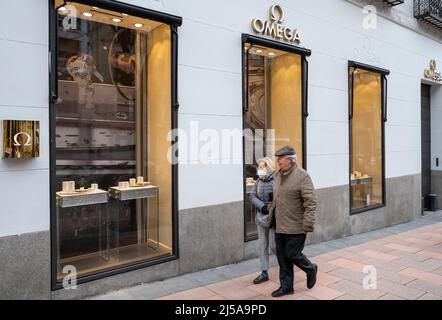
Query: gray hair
[[293, 158]]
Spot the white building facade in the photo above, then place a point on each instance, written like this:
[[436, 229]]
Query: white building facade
[[361, 136]]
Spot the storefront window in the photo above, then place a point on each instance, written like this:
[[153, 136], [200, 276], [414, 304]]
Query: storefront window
[[113, 179], [367, 106], [273, 116]]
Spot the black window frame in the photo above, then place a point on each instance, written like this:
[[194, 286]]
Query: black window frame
[[304, 53], [174, 22], [384, 112]]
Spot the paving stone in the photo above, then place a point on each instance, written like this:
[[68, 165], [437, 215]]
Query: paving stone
[[426, 276], [356, 290], [390, 297], [326, 279], [395, 276], [199, 293], [324, 293], [232, 291], [402, 247], [381, 264], [116, 295], [265, 288], [347, 297], [427, 265], [409, 256], [379, 255], [150, 291], [430, 254], [399, 290], [207, 277], [348, 264], [216, 297], [429, 296], [346, 274], [349, 255], [433, 288]]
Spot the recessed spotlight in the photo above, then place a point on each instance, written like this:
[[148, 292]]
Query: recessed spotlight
[[258, 51], [95, 8], [271, 53], [138, 25], [116, 20], [62, 9], [125, 14], [87, 14]]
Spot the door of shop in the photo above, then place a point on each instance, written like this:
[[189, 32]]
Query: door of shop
[[426, 144]]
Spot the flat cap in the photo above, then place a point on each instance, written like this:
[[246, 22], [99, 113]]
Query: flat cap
[[285, 151]]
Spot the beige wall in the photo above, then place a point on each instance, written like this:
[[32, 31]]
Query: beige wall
[[159, 124], [286, 102]]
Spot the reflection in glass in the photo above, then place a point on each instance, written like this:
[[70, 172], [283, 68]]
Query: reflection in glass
[[111, 126], [366, 140], [274, 117]]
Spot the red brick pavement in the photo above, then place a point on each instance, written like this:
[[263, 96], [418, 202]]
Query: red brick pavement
[[408, 266]]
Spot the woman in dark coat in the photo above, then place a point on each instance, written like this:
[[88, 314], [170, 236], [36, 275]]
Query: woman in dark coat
[[261, 196]]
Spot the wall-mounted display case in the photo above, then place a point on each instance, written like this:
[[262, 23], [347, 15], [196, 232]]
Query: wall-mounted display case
[[115, 84], [275, 108], [367, 114]]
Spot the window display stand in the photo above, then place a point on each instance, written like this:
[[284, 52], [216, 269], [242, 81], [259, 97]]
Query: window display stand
[[121, 195], [82, 198], [363, 190]]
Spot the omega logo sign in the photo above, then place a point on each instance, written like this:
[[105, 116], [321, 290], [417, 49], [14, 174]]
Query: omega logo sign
[[274, 27], [21, 139], [28, 139], [431, 72]]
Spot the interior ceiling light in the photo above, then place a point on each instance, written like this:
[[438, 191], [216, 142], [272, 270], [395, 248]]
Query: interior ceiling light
[[87, 14], [62, 9], [116, 20], [258, 51], [271, 53], [138, 25]]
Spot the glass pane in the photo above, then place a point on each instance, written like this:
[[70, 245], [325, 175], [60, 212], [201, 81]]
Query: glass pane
[[366, 147], [114, 78], [274, 116]]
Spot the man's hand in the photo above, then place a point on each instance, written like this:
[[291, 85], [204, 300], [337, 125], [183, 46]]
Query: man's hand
[[264, 210]]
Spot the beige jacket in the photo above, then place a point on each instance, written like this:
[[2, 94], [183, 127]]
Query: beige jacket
[[294, 202]]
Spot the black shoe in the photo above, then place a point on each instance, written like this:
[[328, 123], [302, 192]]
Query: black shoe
[[261, 278], [282, 292], [311, 278]]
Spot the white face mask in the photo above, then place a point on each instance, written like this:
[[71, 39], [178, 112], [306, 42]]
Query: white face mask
[[262, 173]]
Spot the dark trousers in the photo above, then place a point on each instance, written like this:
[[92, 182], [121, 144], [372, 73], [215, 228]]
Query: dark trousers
[[289, 252]]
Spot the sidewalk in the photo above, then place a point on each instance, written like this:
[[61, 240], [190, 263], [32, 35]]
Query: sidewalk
[[407, 258]]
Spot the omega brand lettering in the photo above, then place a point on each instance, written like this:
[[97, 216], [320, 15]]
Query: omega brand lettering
[[274, 26]]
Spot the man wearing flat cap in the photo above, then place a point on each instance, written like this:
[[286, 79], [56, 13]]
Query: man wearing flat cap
[[293, 211]]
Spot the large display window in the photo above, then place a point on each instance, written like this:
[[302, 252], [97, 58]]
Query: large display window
[[367, 117], [113, 184], [275, 108]]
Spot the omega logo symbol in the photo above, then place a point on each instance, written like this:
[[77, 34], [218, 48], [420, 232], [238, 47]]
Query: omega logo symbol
[[276, 8], [28, 139]]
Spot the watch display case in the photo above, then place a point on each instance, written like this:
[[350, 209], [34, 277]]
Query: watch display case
[[112, 118], [366, 158], [273, 113]]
